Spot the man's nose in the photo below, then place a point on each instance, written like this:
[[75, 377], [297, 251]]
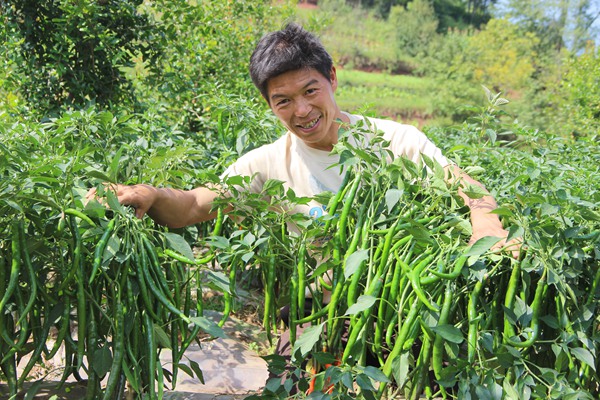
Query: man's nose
[[303, 108]]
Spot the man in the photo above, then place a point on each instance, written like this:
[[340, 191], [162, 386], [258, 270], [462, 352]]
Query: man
[[296, 77]]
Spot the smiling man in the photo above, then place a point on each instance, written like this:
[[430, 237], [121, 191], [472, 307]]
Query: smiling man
[[296, 76]]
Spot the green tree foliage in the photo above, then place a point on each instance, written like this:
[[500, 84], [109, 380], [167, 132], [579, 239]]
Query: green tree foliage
[[558, 23], [450, 13], [448, 63], [9, 83], [579, 105], [415, 26], [462, 14], [206, 46], [502, 56], [72, 52]]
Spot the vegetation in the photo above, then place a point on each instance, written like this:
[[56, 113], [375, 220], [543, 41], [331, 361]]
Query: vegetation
[[524, 49], [158, 93], [402, 97]]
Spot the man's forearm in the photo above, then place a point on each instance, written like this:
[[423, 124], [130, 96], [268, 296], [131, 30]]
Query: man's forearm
[[178, 208]]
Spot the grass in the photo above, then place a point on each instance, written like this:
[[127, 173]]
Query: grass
[[405, 98]]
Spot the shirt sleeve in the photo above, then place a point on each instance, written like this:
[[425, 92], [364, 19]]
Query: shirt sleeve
[[410, 142], [254, 164]]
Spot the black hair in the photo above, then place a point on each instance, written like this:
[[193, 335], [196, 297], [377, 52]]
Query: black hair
[[289, 49]]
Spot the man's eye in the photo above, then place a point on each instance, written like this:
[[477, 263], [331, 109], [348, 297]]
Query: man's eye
[[311, 91], [282, 102]]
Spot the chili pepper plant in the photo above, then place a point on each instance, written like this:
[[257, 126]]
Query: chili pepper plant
[[413, 308]]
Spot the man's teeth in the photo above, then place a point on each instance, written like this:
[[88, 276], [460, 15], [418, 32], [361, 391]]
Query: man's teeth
[[310, 124]]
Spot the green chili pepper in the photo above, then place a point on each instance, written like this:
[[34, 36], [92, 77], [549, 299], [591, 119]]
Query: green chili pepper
[[101, 246], [536, 306], [438, 343], [118, 347], [474, 318], [80, 215], [15, 265]]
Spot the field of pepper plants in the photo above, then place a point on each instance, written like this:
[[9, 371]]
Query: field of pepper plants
[[413, 311]]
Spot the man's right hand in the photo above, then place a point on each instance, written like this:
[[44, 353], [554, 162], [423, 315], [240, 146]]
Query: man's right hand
[[171, 207], [140, 197]]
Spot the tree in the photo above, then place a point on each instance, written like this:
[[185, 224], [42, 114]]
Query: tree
[[415, 27], [450, 13], [74, 52], [579, 100], [502, 56], [462, 13], [558, 23]]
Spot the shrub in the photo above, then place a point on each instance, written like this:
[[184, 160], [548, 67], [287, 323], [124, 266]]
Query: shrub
[[207, 46], [414, 27], [580, 89], [72, 53]]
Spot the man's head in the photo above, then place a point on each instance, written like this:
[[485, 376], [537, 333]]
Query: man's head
[[292, 48]]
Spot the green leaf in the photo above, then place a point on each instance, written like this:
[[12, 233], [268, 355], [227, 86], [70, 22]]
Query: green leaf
[[131, 379], [308, 339], [99, 175], [481, 246], [475, 191], [323, 197], [400, 367], [186, 368], [584, 356], [113, 202], [491, 134], [247, 256], [392, 197], [179, 244], [219, 242], [209, 326], [364, 382], [102, 360], [474, 170], [549, 209], [273, 187], [450, 333], [196, 367], [219, 280], [376, 374], [13, 205], [324, 358], [112, 248], [347, 158], [503, 211], [162, 339], [347, 380], [115, 164], [515, 232], [589, 214], [364, 302], [353, 262]]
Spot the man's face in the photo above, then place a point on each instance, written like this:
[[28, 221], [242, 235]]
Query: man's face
[[304, 102]]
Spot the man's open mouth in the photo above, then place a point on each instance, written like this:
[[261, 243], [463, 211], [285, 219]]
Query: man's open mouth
[[310, 124]]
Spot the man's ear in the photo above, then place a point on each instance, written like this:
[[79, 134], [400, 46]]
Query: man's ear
[[333, 78]]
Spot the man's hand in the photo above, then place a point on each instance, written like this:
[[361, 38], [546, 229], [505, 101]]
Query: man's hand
[[483, 222], [140, 197], [494, 228], [171, 207]]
